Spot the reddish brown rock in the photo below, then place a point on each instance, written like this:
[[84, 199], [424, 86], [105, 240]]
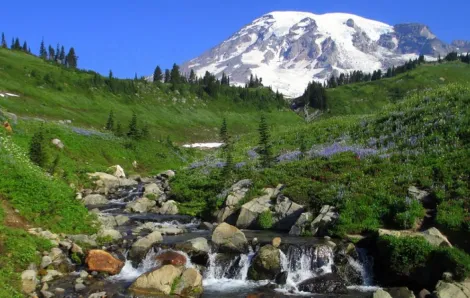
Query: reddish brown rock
[[171, 258], [102, 261]]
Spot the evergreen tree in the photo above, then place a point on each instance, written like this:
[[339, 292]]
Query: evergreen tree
[[135, 77], [17, 45], [157, 75], [421, 59], [37, 152], [12, 46], [133, 132], [175, 76], [167, 76], [71, 58], [25, 47], [57, 52], [192, 77], [51, 53], [264, 143], [228, 167], [42, 51], [110, 75], [62, 55], [223, 132], [110, 122], [439, 59], [4, 41], [145, 132]]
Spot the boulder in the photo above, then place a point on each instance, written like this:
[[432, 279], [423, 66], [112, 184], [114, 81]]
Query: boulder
[[281, 278], [169, 207], [117, 171], [381, 294], [420, 195], [168, 174], [286, 213], [197, 249], [86, 239], [46, 261], [276, 242], [190, 284], [346, 264], [401, 292], [141, 205], [452, 289], [236, 193], [302, 225], [169, 230], [266, 264], [424, 294], [58, 143], [229, 239], [324, 284], [171, 258], [109, 233], [250, 211], [206, 226], [106, 183], [50, 275], [102, 261], [140, 248], [152, 189], [29, 281], [324, 221], [107, 221], [95, 199], [156, 282], [121, 219]]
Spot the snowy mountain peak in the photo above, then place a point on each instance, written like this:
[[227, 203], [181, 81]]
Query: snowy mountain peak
[[288, 49]]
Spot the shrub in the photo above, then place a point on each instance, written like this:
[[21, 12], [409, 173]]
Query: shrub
[[265, 220]]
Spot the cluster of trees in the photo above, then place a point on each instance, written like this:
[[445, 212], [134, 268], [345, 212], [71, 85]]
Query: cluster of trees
[[454, 56], [133, 132], [254, 82], [56, 55], [315, 96], [360, 76]]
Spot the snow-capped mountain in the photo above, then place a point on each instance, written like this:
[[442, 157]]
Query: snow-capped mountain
[[290, 49]]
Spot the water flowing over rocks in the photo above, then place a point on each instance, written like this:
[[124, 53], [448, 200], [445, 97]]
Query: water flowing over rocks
[[266, 264], [142, 246]]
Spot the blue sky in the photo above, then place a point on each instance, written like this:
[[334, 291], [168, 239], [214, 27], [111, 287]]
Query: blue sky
[[130, 36]]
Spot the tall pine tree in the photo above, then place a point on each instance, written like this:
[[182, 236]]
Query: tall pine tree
[[157, 75], [71, 58], [25, 47], [264, 143], [133, 132], [167, 76], [37, 152], [4, 41], [192, 77], [175, 76], [42, 51], [110, 122], [62, 55]]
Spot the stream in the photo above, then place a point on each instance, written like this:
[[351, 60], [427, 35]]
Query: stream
[[224, 275]]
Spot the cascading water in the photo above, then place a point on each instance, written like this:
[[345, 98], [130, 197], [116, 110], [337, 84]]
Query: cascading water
[[124, 196]]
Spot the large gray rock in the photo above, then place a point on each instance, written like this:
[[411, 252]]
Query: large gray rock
[[236, 193], [286, 213], [117, 171], [141, 205], [153, 189], [157, 282], [106, 183], [95, 199], [29, 281], [432, 235], [302, 225], [266, 264], [452, 290], [381, 294], [250, 211], [86, 239], [418, 194], [229, 238], [190, 284], [169, 207], [140, 248], [325, 220], [109, 233]]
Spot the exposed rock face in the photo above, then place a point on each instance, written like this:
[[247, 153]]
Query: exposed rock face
[[302, 225], [301, 46], [236, 193], [324, 284], [452, 290], [250, 211], [157, 282], [140, 248], [102, 261], [229, 238], [324, 221], [169, 207], [266, 264], [286, 213], [197, 249]]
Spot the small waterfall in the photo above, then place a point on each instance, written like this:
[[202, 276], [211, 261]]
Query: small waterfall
[[124, 196]]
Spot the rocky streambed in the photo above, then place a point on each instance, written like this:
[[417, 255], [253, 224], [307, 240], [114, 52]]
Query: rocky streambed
[[145, 249]]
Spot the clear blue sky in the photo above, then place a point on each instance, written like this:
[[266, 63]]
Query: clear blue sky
[[131, 36]]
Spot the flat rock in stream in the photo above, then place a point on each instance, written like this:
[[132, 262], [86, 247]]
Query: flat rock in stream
[[142, 246], [95, 199]]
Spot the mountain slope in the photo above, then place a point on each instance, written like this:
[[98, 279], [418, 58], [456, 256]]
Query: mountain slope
[[289, 49]]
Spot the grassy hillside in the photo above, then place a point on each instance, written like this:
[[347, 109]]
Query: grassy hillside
[[368, 97]]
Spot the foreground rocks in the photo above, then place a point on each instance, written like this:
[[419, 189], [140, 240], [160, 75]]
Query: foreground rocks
[[168, 280], [266, 265], [324, 284], [229, 239], [140, 248], [102, 261], [171, 258], [452, 289]]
